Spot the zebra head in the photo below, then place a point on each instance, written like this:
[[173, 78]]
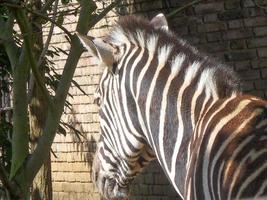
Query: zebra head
[[122, 150]]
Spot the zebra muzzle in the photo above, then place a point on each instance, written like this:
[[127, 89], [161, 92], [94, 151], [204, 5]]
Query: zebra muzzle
[[112, 191], [106, 183]]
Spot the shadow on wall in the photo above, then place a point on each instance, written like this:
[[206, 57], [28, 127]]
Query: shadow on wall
[[84, 142], [72, 176]]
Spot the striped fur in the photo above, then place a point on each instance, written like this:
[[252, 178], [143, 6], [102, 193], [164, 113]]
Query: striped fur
[[163, 99]]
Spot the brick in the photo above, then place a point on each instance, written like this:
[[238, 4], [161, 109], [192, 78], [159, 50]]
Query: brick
[[161, 179], [234, 24], [262, 2], [170, 191], [242, 66], [158, 197], [231, 15], [73, 195], [260, 63], [215, 47], [264, 73], [158, 190], [144, 189], [237, 34], [248, 3], [151, 5], [237, 44], [255, 21], [253, 12], [139, 198], [257, 42], [196, 39], [240, 55], [78, 187], [148, 178], [249, 75], [180, 21], [262, 52], [257, 93], [82, 177], [261, 84], [134, 189], [61, 196], [210, 17], [57, 186], [192, 28], [209, 7], [71, 167], [215, 36], [232, 4], [190, 11], [181, 30], [154, 167], [218, 26], [92, 127], [260, 31], [247, 85]]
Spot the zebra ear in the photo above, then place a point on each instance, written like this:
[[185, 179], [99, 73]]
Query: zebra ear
[[160, 22], [98, 48]]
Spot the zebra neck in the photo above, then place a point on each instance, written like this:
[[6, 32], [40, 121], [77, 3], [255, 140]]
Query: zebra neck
[[169, 97]]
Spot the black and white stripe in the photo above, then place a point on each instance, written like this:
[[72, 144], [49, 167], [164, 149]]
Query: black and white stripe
[[160, 98]]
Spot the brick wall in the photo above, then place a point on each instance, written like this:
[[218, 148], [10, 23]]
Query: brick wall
[[233, 31]]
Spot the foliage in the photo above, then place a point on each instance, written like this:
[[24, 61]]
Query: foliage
[[5, 124]]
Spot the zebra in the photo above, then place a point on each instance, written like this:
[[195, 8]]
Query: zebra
[[160, 98]]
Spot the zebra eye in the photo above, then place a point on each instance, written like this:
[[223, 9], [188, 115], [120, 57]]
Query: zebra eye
[[97, 101], [115, 68]]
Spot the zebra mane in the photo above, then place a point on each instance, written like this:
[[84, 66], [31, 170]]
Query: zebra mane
[[139, 31]]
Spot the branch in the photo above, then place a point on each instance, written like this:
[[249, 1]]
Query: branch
[[173, 13], [87, 8], [41, 58], [20, 116], [25, 30], [44, 51]]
